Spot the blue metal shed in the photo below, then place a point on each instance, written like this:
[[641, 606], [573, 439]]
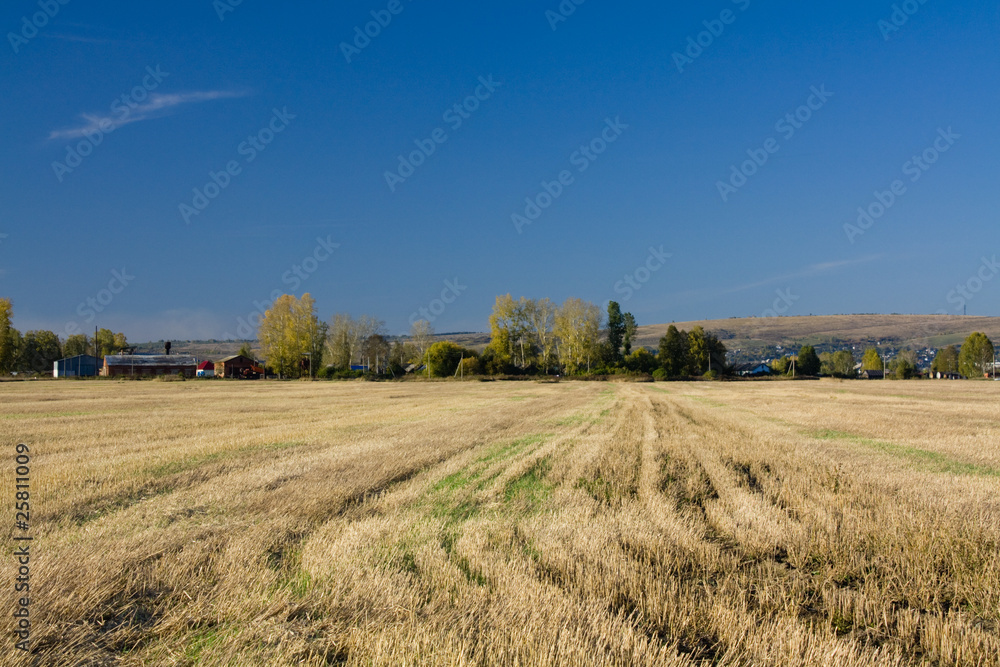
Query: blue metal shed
[[82, 365]]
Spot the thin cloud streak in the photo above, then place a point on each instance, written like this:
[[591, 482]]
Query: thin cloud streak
[[158, 106], [78, 38], [808, 272]]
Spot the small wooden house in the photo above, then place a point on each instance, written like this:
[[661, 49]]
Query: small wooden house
[[236, 366]]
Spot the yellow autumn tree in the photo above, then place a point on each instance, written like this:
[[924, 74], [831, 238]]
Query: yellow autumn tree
[[286, 333], [7, 351], [577, 328]]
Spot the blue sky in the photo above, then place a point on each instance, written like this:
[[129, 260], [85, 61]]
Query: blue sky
[[154, 100]]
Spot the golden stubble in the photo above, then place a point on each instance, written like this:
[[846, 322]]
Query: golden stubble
[[511, 523]]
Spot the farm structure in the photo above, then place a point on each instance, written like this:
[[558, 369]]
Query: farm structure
[[752, 370], [238, 366], [118, 365], [206, 369], [82, 365]]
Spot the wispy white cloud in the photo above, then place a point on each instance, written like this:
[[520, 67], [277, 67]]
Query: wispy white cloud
[[76, 38], [808, 272], [157, 106]]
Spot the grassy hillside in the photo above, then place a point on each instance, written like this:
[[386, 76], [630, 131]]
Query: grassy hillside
[[916, 331]]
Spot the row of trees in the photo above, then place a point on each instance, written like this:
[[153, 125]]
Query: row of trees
[[684, 354], [35, 351], [538, 336], [296, 342], [975, 359], [528, 336]]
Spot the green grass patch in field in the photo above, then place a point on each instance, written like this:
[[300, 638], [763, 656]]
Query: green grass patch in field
[[454, 512], [531, 487], [204, 639], [508, 450], [298, 582], [572, 420], [191, 462], [456, 481], [443, 494], [926, 459]]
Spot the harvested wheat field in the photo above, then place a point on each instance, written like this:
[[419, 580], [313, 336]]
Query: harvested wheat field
[[508, 523]]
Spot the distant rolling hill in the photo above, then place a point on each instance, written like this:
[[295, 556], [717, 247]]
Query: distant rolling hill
[[917, 331]]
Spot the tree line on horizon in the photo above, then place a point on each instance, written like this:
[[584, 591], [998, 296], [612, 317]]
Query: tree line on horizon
[[35, 351], [538, 337], [528, 337]]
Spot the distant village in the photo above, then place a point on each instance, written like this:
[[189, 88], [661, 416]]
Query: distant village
[[236, 366]]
